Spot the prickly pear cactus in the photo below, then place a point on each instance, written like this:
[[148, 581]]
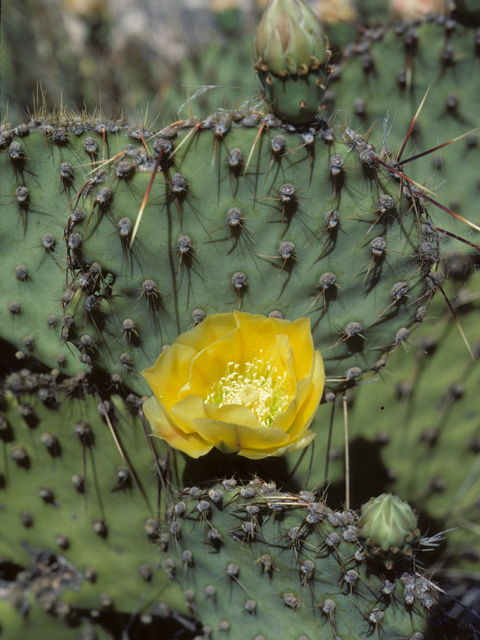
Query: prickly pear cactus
[[78, 479], [114, 241], [274, 554], [227, 555], [80, 493], [14, 623], [384, 78], [426, 404], [245, 214]]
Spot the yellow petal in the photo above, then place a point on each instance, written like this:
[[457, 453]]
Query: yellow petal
[[275, 452], [210, 365], [232, 413], [287, 419], [288, 364], [170, 372], [162, 426], [259, 334], [192, 407], [205, 333], [308, 408], [301, 443], [232, 437], [301, 343], [260, 339]]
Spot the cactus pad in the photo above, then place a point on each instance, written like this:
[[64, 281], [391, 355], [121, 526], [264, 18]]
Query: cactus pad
[[246, 214]]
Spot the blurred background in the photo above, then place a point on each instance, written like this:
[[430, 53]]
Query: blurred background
[[125, 57], [138, 57]]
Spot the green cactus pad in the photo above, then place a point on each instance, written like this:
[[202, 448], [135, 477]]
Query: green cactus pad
[[384, 78], [417, 424], [69, 490], [80, 498], [284, 565], [249, 217], [290, 58], [16, 624]]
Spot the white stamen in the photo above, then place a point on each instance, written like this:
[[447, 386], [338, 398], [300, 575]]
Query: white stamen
[[260, 388]]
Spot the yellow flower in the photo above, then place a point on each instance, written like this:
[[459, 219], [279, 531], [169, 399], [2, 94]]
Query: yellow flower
[[243, 383]]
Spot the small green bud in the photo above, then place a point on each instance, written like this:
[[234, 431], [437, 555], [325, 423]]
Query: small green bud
[[289, 39], [387, 526], [290, 57]]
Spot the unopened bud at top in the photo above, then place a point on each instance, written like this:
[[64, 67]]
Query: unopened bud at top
[[289, 39], [291, 56]]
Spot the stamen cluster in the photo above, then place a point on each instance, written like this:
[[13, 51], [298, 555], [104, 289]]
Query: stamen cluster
[[260, 388]]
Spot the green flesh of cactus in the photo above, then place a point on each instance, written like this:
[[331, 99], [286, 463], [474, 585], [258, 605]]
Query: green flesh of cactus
[[79, 517], [15, 626], [83, 502], [390, 76], [280, 554], [419, 424], [103, 548], [278, 253]]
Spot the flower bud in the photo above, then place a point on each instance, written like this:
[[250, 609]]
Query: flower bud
[[387, 526], [289, 39], [290, 57]]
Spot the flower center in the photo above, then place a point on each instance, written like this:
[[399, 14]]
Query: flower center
[[260, 388]]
